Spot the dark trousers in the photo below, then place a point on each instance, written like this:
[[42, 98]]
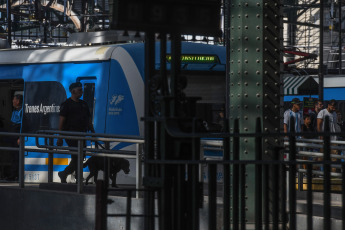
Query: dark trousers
[[73, 164]]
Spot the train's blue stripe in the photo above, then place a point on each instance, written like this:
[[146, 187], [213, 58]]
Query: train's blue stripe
[[44, 168]]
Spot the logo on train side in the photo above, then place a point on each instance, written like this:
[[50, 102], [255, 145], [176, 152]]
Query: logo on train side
[[116, 99], [115, 107]]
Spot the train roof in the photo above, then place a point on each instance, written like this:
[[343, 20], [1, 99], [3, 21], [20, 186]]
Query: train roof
[[96, 53]]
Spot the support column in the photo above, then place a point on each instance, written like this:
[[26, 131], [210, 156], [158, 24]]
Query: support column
[[255, 84]]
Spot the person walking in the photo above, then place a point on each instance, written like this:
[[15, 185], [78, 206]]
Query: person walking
[[74, 116]]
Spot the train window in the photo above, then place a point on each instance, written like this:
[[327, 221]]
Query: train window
[[89, 86], [89, 96], [41, 106]]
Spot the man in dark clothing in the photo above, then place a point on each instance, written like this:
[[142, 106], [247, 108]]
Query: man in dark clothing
[[318, 106], [16, 121], [74, 116]]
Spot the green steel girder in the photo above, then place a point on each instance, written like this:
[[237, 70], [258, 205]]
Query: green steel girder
[[255, 84]]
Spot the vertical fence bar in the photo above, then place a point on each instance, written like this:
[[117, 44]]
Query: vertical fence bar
[[235, 184], [138, 175], [50, 162], [80, 182], [226, 168], [21, 161], [292, 174], [343, 194], [243, 195], [309, 198], [101, 206], [106, 166], [128, 211], [212, 196], [327, 177], [275, 189], [258, 176], [265, 196], [283, 196]]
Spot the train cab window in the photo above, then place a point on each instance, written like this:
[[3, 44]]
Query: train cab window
[[89, 97]]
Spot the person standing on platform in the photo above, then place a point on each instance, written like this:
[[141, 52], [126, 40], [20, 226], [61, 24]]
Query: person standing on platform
[[296, 114], [74, 116], [16, 122], [328, 112], [318, 106]]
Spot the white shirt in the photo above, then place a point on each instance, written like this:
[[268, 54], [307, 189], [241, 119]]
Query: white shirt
[[332, 120], [298, 116]]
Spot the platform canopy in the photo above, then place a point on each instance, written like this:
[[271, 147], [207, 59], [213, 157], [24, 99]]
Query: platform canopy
[[300, 85]]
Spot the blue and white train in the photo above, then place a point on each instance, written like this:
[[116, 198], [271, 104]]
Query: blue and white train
[[113, 80]]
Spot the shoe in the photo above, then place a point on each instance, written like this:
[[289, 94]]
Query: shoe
[[62, 177]]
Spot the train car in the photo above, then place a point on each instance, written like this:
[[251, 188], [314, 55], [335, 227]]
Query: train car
[[113, 82]]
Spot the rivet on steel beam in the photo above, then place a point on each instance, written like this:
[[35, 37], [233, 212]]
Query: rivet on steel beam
[[275, 117], [245, 129], [258, 38], [239, 72], [232, 50], [245, 95], [266, 27], [238, 106], [246, 140], [246, 83], [258, 27], [258, 15], [266, 73], [257, 50], [245, 117], [238, 50], [239, 38], [232, 27], [276, 72], [246, 27], [232, 84], [258, 4], [276, 140], [239, 16], [246, 4], [239, 27], [246, 38], [246, 49], [276, 106], [266, 139], [257, 83], [245, 152], [276, 95], [266, 95], [246, 106], [266, 152], [257, 95], [232, 61], [246, 61], [231, 95], [239, 83], [266, 83], [246, 15], [258, 106], [257, 61], [266, 129], [266, 38], [232, 73], [246, 72], [238, 95], [265, 117], [231, 106], [275, 129], [257, 72], [266, 106], [238, 61]]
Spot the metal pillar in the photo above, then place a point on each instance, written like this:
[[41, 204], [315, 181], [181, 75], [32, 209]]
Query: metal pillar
[[255, 84]]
